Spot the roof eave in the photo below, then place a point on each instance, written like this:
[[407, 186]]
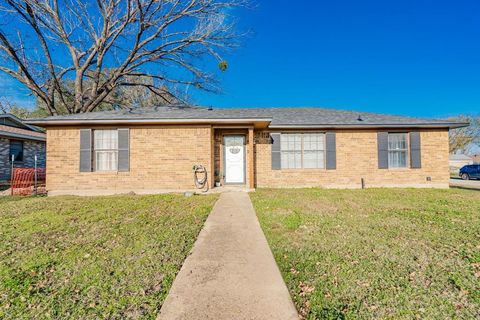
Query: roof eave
[[46, 123], [369, 126], [21, 136], [20, 122], [264, 121]]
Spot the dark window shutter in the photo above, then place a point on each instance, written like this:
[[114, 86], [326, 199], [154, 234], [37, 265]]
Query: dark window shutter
[[124, 149], [85, 150], [382, 142], [276, 156], [415, 152], [331, 151]]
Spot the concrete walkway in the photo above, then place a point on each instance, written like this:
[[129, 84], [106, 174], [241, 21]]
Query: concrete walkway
[[231, 273]]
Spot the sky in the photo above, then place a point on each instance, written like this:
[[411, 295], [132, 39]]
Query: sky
[[12, 91], [418, 58]]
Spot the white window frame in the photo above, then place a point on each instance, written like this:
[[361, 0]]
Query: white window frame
[[302, 150], [294, 154], [405, 150], [107, 150]]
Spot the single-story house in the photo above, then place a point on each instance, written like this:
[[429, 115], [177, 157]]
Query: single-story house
[[22, 142], [456, 161], [150, 150]]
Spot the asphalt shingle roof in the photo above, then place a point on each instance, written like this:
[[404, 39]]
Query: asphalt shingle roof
[[298, 116], [13, 127]]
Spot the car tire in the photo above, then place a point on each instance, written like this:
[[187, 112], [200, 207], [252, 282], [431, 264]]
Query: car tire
[[465, 176]]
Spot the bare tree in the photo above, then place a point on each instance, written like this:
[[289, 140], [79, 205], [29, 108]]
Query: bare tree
[[7, 106], [98, 47], [462, 139], [123, 96], [140, 96]]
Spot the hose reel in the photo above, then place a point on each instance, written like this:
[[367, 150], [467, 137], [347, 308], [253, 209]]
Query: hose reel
[[200, 177]]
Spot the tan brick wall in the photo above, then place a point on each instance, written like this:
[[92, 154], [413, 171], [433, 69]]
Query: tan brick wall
[[161, 158], [356, 159]]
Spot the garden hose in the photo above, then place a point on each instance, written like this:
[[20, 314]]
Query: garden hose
[[200, 177]]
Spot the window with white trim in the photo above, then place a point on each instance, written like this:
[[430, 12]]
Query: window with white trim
[[397, 150], [302, 150], [105, 150]]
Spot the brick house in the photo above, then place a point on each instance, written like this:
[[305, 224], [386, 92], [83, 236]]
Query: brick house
[[153, 149], [22, 141]]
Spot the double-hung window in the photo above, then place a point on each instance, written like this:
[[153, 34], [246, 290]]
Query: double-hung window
[[302, 150], [314, 150], [291, 151], [397, 150], [105, 150]]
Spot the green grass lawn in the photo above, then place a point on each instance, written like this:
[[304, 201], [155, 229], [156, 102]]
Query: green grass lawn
[[376, 253], [94, 258]]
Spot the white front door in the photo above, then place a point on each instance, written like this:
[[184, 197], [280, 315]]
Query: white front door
[[234, 159]]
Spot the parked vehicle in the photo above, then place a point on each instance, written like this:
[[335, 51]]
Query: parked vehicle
[[471, 171]]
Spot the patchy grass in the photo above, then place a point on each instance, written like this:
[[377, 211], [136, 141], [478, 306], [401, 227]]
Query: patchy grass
[[94, 258], [384, 253]]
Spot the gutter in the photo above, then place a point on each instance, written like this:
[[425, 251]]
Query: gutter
[[450, 125], [143, 121]]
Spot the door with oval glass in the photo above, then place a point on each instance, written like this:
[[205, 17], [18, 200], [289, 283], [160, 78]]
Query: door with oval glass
[[234, 155]]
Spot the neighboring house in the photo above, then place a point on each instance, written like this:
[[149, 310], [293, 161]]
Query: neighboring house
[[456, 161], [21, 140], [153, 149], [476, 158]]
